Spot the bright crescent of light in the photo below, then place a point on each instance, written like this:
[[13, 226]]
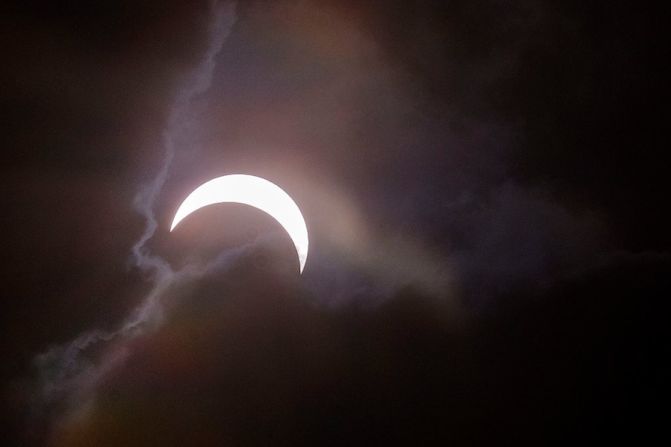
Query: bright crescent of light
[[252, 191]]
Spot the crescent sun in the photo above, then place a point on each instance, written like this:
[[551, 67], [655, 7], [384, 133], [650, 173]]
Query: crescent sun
[[253, 191]]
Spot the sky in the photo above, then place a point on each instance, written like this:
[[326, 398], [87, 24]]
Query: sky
[[483, 184]]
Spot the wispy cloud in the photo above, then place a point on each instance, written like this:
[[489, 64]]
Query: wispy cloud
[[68, 374]]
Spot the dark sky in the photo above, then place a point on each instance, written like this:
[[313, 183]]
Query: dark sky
[[484, 187]]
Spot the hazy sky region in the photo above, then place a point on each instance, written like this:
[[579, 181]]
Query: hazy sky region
[[483, 185]]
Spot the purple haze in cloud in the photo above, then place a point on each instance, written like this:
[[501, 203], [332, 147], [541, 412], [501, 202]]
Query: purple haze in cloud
[[479, 179]]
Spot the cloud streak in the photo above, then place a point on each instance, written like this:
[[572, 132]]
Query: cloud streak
[[68, 374]]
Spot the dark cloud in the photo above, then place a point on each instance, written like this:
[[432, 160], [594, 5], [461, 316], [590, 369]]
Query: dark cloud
[[484, 191], [255, 362]]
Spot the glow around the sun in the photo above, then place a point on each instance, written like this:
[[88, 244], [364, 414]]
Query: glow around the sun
[[256, 192]]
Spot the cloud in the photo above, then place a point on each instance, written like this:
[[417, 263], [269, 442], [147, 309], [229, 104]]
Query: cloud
[[252, 361], [68, 375], [437, 153]]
